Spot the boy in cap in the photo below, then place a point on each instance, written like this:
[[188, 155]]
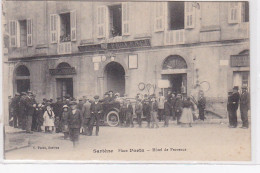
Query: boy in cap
[[75, 121], [96, 110], [129, 114]]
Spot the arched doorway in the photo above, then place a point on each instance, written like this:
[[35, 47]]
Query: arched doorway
[[174, 69], [115, 77], [64, 82], [22, 79]]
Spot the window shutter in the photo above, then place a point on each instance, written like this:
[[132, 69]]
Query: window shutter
[[125, 18], [73, 25], [159, 16], [190, 12], [234, 12], [29, 32], [13, 33], [54, 28], [101, 22]]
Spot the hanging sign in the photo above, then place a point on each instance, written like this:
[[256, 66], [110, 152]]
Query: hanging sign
[[164, 83]]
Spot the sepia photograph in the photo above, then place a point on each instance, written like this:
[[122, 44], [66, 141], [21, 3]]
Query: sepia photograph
[[130, 81]]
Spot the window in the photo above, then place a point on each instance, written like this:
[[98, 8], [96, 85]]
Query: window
[[238, 12], [63, 27], [115, 19], [175, 15], [20, 33], [245, 12]]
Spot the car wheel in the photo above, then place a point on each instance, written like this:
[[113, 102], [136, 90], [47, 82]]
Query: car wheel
[[113, 118]]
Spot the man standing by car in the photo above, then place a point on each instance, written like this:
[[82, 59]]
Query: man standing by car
[[96, 110], [244, 107]]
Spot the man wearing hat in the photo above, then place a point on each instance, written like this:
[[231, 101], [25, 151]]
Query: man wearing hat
[[178, 106], [146, 110], [139, 111], [161, 101], [96, 110], [30, 108], [234, 106], [244, 106], [201, 105], [80, 104], [229, 104], [15, 107]]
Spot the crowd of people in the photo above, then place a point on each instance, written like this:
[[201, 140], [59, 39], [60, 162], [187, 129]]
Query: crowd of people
[[72, 117]]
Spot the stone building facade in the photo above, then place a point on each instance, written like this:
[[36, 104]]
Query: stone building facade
[[87, 48]]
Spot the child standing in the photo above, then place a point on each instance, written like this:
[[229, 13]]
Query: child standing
[[75, 122], [48, 117], [64, 121]]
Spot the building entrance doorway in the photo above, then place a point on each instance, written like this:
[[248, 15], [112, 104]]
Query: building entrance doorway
[[115, 78], [178, 83], [22, 79], [64, 87]]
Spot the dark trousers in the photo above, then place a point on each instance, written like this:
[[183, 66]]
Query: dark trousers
[[15, 116], [244, 116], [148, 118], [178, 116], [229, 118], [129, 120], [160, 114], [122, 117], [201, 114], [28, 123], [166, 120], [233, 118], [139, 119], [86, 126], [94, 118], [74, 135], [173, 114]]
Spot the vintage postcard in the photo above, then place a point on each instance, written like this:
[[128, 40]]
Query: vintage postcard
[[132, 81]]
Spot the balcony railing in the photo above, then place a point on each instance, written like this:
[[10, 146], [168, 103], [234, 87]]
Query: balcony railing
[[64, 48], [174, 37]]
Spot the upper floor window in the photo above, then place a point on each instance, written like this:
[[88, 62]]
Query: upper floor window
[[238, 12], [175, 15], [63, 27], [113, 20], [20, 33]]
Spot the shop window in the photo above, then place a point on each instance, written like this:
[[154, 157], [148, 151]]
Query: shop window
[[175, 15], [115, 16]]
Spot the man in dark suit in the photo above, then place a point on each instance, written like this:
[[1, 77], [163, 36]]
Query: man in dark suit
[[22, 110], [86, 117], [201, 105], [234, 106], [244, 107], [96, 110], [15, 106], [30, 108]]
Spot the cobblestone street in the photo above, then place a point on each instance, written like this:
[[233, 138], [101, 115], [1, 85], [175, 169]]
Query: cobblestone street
[[202, 142]]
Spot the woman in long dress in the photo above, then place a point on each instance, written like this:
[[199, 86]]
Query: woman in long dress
[[186, 116]]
